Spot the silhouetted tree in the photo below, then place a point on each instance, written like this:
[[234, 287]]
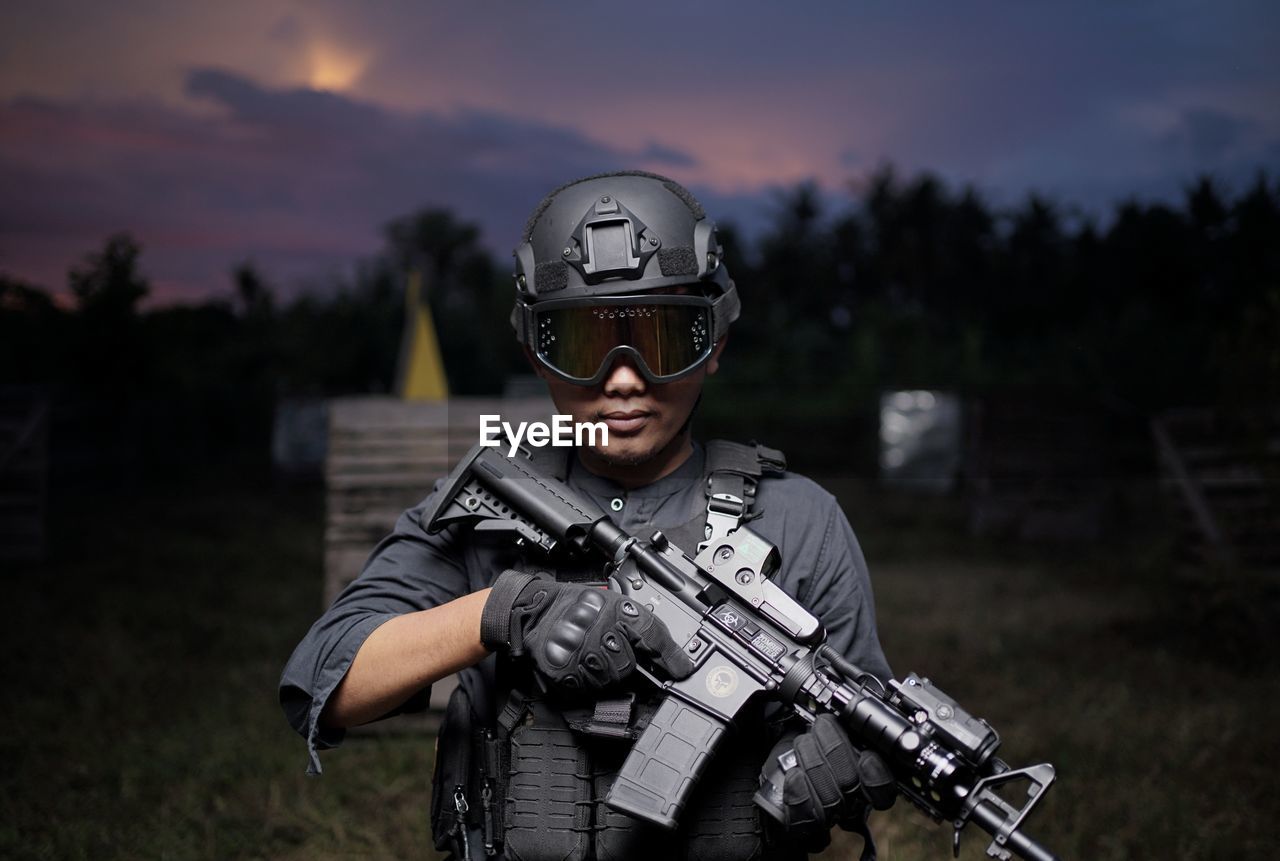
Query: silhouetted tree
[[918, 285], [913, 285], [32, 334], [255, 297], [108, 286], [107, 352], [470, 299]]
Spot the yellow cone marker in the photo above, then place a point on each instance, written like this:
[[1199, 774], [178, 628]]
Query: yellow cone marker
[[420, 376]]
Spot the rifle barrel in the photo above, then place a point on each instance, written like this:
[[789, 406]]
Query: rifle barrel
[[991, 820]]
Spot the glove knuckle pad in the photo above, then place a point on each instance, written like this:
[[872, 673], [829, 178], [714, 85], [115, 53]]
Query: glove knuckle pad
[[568, 633], [585, 610], [558, 651]]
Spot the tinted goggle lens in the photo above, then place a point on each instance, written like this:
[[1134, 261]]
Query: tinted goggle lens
[[669, 339]]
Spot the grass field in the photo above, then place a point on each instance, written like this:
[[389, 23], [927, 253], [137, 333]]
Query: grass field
[[140, 720]]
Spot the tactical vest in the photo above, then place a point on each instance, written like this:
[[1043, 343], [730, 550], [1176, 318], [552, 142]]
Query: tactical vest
[[530, 783]]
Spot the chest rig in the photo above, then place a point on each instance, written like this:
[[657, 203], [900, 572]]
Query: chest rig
[[546, 763]]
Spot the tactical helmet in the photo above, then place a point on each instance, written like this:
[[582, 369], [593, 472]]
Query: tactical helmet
[[616, 234]]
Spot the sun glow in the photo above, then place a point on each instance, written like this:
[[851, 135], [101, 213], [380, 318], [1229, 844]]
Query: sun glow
[[333, 68]]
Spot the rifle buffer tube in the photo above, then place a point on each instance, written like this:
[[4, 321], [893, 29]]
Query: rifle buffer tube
[[561, 514]]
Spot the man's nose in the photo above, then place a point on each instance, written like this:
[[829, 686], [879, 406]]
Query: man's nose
[[624, 379]]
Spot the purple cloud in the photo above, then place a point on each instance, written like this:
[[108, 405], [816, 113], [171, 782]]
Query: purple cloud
[[299, 181], [457, 106]]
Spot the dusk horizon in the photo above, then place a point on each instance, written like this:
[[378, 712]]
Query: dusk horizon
[[289, 140]]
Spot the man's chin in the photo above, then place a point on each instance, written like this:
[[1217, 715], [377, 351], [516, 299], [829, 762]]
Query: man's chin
[[629, 454]]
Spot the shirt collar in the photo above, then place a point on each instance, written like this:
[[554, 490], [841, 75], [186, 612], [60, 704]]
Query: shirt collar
[[687, 473]]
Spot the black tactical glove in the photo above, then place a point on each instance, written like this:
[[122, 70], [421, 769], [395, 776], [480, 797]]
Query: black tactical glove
[[577, 636], [830, 782]]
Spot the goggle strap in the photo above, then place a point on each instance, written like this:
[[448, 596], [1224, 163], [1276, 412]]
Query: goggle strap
[[724, 310], [522, 320]]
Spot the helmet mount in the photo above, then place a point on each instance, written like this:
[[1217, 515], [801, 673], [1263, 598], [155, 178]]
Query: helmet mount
[[610, 242]]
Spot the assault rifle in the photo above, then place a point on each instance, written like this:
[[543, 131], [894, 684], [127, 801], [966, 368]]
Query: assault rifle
[[747, 637]]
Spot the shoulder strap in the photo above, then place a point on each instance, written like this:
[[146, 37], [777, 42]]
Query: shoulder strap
[[732, 472]]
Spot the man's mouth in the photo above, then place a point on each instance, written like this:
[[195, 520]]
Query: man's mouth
[[625, 421]]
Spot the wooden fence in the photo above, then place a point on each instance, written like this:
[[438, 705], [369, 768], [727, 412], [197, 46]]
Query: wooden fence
[[384, 455], [1223, 470]]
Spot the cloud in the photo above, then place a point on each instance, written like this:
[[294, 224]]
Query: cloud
[[1208, 135], [660, 154], [299, 109], [482, 114], [298, 180], [287, 30]]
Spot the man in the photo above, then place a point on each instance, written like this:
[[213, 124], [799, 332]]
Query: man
[[623, 306]]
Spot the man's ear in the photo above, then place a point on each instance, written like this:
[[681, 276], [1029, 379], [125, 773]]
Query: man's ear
[[713, 363]]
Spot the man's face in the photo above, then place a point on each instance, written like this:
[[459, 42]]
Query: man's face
[[644, 418]]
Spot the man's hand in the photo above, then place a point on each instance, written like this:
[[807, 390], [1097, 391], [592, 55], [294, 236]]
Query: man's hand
[[577, 636], [831, 782]]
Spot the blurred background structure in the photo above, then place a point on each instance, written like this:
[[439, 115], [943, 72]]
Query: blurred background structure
[[1021, 266]]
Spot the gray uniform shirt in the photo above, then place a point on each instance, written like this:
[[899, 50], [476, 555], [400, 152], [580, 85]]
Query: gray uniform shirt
[[822, 567]]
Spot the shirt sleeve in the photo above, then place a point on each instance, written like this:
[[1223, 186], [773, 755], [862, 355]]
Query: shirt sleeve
[[839, 593], [409, 570]]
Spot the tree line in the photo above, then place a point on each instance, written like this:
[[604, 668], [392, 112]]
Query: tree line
[[924, 287], [912, 285]]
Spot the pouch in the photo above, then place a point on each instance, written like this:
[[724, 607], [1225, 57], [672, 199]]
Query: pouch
[[453, 792], [548, 811]]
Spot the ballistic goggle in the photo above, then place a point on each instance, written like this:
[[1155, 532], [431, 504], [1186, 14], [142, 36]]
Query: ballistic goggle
[[578, 340]]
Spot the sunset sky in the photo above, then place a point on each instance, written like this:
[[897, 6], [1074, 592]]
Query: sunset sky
[[288, 132]]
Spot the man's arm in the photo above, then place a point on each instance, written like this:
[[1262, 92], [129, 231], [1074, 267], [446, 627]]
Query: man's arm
[[838, 592], [408, 574], [404, 655]]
